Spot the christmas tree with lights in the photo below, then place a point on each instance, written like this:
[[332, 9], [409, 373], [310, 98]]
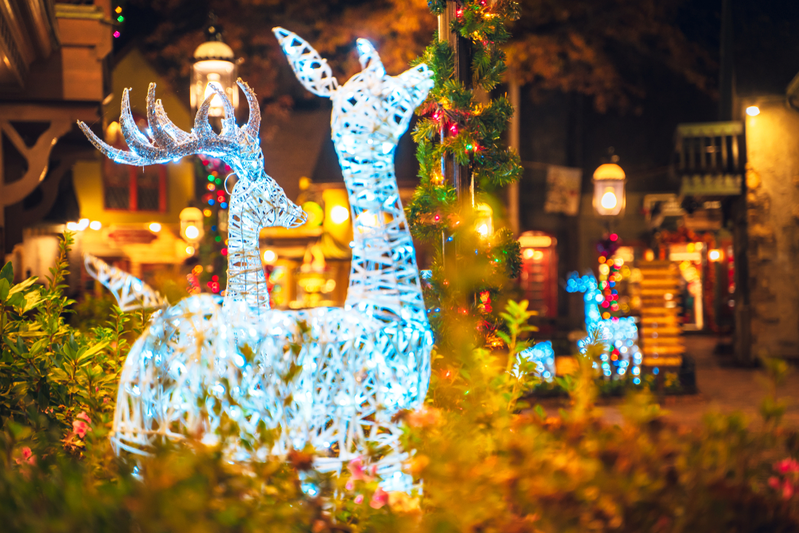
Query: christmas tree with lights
[[463, 159]]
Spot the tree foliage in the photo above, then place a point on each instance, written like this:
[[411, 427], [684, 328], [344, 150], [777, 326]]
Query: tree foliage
[[597, 48]]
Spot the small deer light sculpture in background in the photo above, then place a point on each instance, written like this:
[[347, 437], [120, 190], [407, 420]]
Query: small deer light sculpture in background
[[620, 334]]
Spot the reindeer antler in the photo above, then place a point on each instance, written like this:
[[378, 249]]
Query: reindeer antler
[[170, 142]]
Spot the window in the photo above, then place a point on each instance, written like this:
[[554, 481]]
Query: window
[[128, 188]]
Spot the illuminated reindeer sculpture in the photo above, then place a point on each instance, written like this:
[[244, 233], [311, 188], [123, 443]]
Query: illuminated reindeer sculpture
[[621, 334], [371, 111], [197, 354], [352, 370]]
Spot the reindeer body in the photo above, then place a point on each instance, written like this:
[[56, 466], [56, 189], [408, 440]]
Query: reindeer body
[[621, 334]]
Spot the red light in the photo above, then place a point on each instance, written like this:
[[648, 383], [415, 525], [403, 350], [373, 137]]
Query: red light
[[453, 129], [437, 218], [614, 237], [214, 278], [224, 251]]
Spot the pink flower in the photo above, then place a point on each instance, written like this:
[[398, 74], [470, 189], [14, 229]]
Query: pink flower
[[787, 465], [379, 499], [80, 426], [359, 499], [356, 468], [773, 482], [350, 485], [27, 457]]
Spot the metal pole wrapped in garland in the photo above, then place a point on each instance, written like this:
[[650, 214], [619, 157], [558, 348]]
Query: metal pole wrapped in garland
[[462, 159]]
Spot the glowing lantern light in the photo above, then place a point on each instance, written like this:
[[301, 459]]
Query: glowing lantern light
[[269, 257], [155, 227], [609, 197], [714, 255], [214, 65], [484, 224], [191, 223], [339, 214], [96, 225], [753, 111]]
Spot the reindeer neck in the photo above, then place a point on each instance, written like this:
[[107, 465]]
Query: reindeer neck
[[384, 278], [246, 279]]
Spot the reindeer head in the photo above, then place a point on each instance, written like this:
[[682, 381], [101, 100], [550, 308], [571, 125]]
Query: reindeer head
[[371, 104], [239, 147]]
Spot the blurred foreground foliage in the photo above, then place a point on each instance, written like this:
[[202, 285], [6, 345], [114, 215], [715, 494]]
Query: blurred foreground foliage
[[488, 461]]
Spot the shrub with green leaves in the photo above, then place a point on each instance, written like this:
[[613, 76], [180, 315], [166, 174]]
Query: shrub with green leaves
[[52, 375]]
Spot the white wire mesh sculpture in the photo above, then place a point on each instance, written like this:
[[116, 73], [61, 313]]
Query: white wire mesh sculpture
[[350, 370], [196, 360], [621, 334], [130, 292], [371, 111]]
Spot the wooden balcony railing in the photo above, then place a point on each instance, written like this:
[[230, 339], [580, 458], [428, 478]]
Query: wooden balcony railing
[[710, 158]]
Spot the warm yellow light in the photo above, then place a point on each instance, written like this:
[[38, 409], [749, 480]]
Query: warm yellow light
[[189, 250], [192, 232], [72, 226], [619, 262], [528, 253], [538, 255], [339, 214], [609, 200], [155, 227], [269, 256], [482, 229], [753, 111], [96, 225], [83, 224], [367, 220], [714, 255]]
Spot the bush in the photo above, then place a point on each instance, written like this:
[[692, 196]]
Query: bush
[[488, 461]]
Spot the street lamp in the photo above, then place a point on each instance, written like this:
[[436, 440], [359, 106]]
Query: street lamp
[[214, 65], [609, 197]]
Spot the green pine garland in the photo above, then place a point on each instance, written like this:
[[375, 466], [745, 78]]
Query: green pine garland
[[473, 137]]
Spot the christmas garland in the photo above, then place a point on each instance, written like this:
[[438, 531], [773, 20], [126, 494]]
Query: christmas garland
[[472, 137]]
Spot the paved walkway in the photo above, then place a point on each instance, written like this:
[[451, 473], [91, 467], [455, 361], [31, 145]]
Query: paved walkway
[[723, 388]]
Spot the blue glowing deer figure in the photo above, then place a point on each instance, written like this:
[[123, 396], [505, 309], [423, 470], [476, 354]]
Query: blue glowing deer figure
[[621, 334]]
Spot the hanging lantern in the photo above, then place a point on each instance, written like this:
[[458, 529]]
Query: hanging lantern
[[609, 197], [214, 64], [191, 225]]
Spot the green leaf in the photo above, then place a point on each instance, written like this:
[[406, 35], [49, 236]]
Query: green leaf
[[7, 273]]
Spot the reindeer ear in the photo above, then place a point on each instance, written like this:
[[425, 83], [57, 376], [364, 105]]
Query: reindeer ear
[[310, 68], [369, 58], [419, 81]]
